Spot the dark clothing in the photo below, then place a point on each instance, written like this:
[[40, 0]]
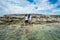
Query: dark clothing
[[26, 21]]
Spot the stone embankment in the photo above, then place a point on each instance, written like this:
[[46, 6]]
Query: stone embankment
[[35, 19]]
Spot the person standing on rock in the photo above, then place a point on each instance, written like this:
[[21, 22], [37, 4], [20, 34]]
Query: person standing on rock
[[29, 19], [26, 19]]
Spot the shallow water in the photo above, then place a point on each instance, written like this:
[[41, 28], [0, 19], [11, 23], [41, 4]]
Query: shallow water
[[37, 32]]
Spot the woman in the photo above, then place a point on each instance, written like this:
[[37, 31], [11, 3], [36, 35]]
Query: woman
[[26, 19], [29, 19]]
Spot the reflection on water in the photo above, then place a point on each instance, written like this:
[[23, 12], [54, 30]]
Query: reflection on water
[[41, 32]]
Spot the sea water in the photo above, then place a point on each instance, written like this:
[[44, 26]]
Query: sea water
[[38, 32]]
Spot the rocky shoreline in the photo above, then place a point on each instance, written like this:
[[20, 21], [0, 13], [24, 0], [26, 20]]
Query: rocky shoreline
[[35, 19]]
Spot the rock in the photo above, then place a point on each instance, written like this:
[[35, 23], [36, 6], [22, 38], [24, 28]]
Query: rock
[[1, 22]]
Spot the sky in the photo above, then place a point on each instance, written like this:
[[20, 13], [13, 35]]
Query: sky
[[48, 7]]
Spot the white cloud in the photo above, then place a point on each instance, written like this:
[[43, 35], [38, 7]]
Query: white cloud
[[44, 4], [18, 9], [23, 6]]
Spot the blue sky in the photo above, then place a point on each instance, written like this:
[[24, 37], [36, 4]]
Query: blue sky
[[48, 7]]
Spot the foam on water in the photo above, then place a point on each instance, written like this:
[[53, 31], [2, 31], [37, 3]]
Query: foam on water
[[37, 32]]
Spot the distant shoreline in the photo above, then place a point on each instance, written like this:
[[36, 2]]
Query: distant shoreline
[[28, 13], [36, 18]]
